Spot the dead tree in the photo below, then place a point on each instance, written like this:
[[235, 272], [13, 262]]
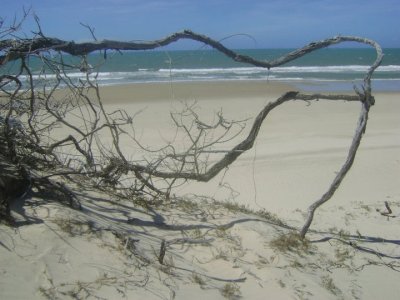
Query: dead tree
[[39, 110]]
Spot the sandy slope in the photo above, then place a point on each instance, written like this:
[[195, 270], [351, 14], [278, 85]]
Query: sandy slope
[[110, 249]]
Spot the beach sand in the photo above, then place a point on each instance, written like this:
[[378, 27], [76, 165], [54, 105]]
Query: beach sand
[[299, 149]]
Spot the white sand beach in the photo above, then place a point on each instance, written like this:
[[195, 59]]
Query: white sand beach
[[110, 249]]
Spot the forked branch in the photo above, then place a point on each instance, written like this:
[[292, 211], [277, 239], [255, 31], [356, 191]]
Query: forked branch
[[110, 164]]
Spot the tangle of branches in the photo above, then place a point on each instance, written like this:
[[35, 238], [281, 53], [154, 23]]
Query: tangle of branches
[[34, 109]]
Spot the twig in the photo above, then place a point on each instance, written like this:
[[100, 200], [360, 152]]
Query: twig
[[388, 211], [163, 249]]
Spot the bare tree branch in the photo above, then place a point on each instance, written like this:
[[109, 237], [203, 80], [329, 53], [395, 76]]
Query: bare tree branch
[[30, 46], [84, 116]]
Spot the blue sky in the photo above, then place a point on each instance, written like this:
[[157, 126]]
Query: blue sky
[[271, 23]]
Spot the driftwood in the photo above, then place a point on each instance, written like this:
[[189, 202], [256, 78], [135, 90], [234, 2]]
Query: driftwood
[[171, 165], [21, 48]]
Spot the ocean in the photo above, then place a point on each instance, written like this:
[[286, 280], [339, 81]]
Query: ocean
[[325, 69]]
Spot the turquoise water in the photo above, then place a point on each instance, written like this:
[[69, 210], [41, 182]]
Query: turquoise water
[[332, 68]]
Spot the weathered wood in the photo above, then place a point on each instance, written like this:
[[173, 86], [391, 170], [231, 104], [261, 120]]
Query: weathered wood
[[360, 130], [14, 49]]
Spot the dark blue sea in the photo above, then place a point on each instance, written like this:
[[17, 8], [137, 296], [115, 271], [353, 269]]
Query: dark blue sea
[[332, 68]]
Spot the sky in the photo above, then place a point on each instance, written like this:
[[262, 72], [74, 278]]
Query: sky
[[244, 23]]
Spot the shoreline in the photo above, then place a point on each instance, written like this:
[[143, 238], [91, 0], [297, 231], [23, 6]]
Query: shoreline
[[141, 92], [203, 89], [198, 90]]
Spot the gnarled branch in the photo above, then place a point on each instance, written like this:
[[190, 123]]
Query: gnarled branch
[[99, 119]]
